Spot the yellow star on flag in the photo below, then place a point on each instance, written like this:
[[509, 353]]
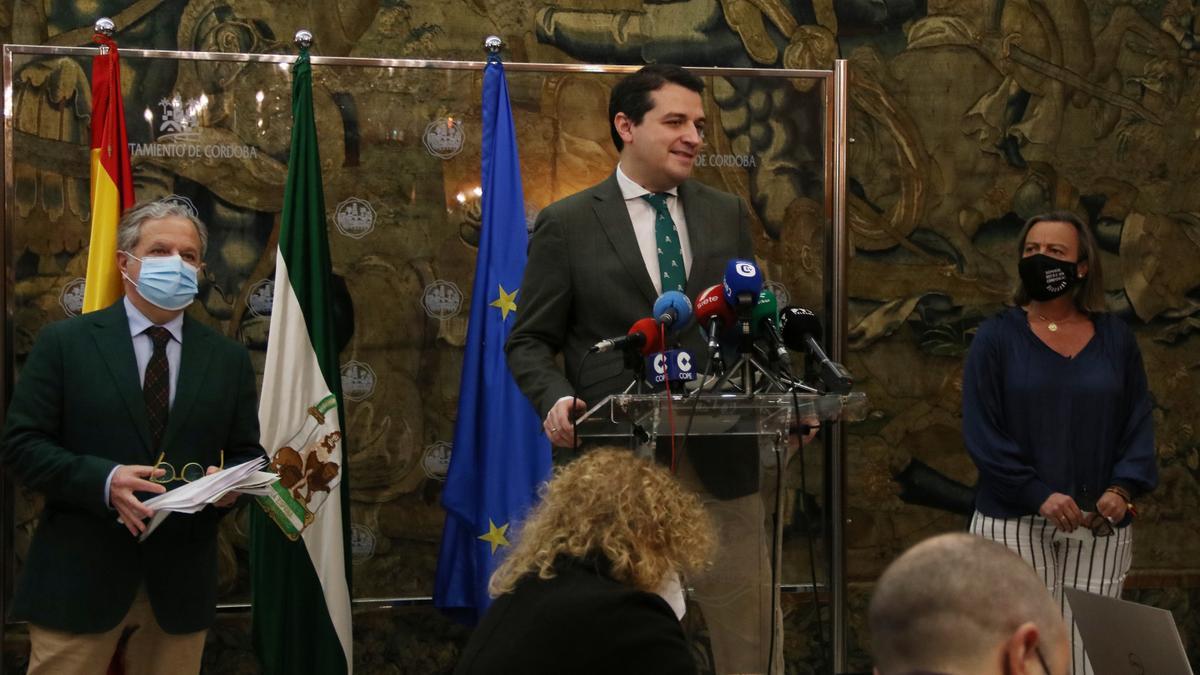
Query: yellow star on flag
[[495, 535], [507, 302]]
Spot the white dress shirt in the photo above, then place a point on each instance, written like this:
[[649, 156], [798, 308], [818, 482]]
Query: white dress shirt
[[642, 215], [143, 346], [143, 349]]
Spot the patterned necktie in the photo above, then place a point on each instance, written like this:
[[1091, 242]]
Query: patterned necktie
[[156, 387], [670, 255]]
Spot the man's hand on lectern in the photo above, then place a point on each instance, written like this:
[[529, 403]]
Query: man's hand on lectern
[[559, 424]]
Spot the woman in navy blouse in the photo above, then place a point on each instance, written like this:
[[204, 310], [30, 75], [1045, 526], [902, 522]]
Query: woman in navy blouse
[[1057, 418]]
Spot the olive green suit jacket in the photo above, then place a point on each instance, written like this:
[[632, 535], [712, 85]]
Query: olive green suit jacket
[[585, 281], [77, 412]]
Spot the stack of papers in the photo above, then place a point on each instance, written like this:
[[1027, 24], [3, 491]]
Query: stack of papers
[[246, 478]]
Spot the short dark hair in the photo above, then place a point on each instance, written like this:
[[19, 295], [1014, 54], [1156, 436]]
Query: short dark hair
[[632, 94], [951, 599], [1089, 295]]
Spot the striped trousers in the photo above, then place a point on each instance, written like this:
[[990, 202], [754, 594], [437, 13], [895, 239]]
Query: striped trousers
[[1065, 560]]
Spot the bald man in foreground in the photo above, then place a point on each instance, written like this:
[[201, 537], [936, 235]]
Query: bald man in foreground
[[958, 604]]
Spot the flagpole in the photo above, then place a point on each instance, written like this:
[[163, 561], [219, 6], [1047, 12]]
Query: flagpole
[[492, 44], [301, 623], [111, 172], [107, 28], [500, 455], [303, 39]]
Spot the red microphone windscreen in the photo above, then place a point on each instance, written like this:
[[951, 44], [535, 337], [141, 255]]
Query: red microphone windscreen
[[711, 304], [649, 328]]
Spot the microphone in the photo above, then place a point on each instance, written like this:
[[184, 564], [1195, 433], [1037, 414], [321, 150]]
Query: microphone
[[765, 312], [715, 314], [711, 307], [765, 318], [673, 310], [743, 281], [799, 327], [643, 337], [673, 365]]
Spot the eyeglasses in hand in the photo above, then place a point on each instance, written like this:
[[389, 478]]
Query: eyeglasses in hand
[[191, 471]]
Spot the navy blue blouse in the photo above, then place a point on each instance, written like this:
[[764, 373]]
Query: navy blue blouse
[[1036, 422]]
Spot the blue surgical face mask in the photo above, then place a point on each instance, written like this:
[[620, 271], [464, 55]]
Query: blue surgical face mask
[[166, 282]]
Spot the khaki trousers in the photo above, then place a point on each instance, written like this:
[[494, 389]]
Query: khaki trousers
[[735, 594], [148, 649]]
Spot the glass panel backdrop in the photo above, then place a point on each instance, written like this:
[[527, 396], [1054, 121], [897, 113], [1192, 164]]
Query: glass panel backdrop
[[400, 158]]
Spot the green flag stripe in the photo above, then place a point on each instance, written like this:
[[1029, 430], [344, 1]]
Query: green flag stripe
[[293, 630], [301, 639], [304, 246], [303, 241]]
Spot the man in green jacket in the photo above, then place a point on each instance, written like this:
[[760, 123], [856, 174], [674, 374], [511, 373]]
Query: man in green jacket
[[110, 408], [598, 259]]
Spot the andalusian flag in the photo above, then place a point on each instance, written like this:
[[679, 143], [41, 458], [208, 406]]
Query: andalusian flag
[[299, 563], [112, 177]]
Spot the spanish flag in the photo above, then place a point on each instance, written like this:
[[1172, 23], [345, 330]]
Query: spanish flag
[[112, 177]]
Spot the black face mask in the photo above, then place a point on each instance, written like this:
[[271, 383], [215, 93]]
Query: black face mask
[[1046, 278]]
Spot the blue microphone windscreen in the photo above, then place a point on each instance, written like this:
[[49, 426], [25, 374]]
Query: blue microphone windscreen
[[674, 300], [743, 280]]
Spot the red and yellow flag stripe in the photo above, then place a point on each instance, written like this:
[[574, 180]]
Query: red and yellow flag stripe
[[112, 177]]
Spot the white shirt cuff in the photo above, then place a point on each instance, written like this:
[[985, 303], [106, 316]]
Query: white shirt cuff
[[108, 487]]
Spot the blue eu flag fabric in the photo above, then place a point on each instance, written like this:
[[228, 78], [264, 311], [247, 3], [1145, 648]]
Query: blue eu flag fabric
[[500, 455]]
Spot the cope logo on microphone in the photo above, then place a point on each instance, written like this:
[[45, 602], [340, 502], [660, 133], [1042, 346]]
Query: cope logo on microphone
[[683, 362], [746, 269], [674, 365], [660, 366]]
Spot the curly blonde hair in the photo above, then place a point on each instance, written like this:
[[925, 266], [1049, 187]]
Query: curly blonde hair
[[612, 504]]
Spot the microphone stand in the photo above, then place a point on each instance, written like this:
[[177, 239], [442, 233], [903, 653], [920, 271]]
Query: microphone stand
[[635, 363], [750, 364]]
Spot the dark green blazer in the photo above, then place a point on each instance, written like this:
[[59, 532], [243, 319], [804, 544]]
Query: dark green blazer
[[586, 281], [77, 412]]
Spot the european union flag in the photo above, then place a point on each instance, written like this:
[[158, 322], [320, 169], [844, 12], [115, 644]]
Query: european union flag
[[500, 456]]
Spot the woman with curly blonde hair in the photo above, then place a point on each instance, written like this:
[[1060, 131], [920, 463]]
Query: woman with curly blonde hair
[[583, 589]]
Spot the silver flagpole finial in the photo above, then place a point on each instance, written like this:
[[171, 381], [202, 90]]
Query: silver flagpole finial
[[105, 26], [492, 44], [303, 39]]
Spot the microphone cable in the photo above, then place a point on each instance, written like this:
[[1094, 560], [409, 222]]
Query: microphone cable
[[662, 329], [575, 393], [812, 556], [687, 431], [776, 545], [634, 433], [579, 379]]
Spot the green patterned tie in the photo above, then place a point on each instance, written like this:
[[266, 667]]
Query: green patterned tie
[[666, 238]]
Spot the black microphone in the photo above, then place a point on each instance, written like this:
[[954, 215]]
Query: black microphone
[[799, 326]]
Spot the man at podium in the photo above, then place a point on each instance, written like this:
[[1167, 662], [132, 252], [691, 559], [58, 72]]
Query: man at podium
[[598, 259]]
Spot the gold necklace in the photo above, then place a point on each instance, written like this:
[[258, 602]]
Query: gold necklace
[[1051, 325]]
